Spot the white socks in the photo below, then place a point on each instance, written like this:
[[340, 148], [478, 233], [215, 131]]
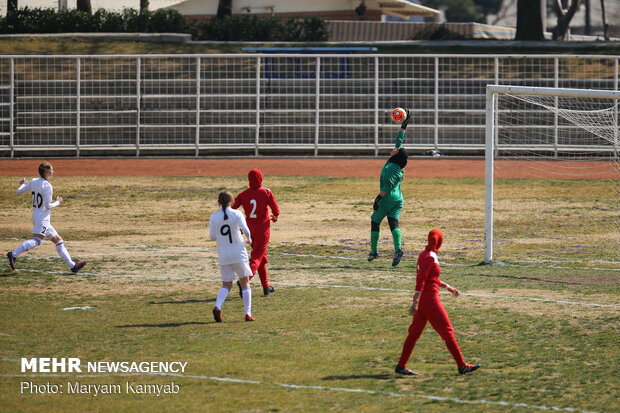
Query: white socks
[[64, 254], [35, 242], [247, 300], [221, 296], [27, 246]]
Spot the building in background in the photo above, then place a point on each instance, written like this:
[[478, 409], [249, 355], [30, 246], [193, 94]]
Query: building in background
[[356, 10], [403, 11]]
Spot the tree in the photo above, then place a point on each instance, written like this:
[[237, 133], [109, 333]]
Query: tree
[[84, 5], [588, 20], [605, 25], [466, 10], [224, 8], [529, 20], [564, 18], [11, 5], [144, 5]]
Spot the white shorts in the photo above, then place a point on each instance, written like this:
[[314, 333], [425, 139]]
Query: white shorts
[[228, 271], [44, 228]]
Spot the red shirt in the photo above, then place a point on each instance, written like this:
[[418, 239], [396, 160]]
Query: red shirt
[[427, 280], [256, 200]]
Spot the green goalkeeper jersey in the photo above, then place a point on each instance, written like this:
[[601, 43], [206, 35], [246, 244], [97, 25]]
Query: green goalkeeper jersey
[[391, 176]]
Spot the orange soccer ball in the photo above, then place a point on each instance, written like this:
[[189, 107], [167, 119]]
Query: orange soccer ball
[[399, 115]]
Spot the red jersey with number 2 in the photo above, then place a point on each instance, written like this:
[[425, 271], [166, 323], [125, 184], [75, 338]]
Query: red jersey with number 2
[[256, 201]]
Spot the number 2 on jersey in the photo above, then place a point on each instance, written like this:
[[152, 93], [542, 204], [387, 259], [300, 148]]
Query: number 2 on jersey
[[252, 214]]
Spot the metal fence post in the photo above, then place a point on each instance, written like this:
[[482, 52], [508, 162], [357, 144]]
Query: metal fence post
[[78, 108], [12, 109], [138, 102], [494, 129], [198, 65], [258, 92], [556, 70], [616, 141], [436, 121], [376, 106], [317, 85]]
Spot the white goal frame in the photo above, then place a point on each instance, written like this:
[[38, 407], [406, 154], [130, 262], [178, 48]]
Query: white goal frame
[[490, 137]]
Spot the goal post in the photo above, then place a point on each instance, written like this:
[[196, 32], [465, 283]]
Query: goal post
[[562, 136]]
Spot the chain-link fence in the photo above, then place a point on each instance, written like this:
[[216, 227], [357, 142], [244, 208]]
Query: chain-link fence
[[258, 102]]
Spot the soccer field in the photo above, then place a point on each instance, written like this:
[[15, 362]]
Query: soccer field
[[546, 333]]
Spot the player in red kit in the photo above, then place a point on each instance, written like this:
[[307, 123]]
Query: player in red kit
[[427, 307], [256, 202]]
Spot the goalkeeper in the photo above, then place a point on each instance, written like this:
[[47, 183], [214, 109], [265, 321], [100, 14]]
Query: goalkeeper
[[389, 202]]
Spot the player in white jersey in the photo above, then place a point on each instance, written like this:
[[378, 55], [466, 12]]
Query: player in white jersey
[[42, 194], [227, 226]]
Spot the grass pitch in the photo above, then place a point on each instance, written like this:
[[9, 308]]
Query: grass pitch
[[329, 337]]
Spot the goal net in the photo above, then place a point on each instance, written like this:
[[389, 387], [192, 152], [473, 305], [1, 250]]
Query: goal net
[[552, 179]]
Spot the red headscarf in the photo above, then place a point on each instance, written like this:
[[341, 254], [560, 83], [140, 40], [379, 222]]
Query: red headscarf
[[255, 176], [435, 238]]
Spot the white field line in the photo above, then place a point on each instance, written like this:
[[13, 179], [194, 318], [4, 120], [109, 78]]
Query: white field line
[[146, 277], [163, 248], [322, 388], [97, 254], [168, 251], [122, 244], [561, 261], [587, 268], [86, 307], [318, 285]]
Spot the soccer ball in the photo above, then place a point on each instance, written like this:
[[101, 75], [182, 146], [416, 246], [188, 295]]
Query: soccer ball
[[399, 115]]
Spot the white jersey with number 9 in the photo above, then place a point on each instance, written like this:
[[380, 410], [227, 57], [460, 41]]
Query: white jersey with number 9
[[227, 233]]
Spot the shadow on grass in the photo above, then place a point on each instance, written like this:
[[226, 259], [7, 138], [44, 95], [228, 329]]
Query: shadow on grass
[[164, 325], [384, 376], [211, 300]]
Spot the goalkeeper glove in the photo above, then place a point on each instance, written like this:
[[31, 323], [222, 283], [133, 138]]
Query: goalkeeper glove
[[406, 121], [375, 204]]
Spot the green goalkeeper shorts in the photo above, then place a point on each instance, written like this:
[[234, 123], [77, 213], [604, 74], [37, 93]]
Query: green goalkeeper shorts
[[391, 209]]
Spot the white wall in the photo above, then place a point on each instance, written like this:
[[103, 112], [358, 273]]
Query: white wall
[[197, 7]]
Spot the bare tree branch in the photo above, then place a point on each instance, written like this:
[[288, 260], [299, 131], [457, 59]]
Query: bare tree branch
[[501, 14], [605, 25], [564, 19]]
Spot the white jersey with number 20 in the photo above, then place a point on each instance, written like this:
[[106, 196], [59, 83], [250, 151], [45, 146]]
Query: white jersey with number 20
[[227, 233], [42, 192]]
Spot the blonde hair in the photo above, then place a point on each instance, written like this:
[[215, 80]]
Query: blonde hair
[[45, 166], [224, 199]]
